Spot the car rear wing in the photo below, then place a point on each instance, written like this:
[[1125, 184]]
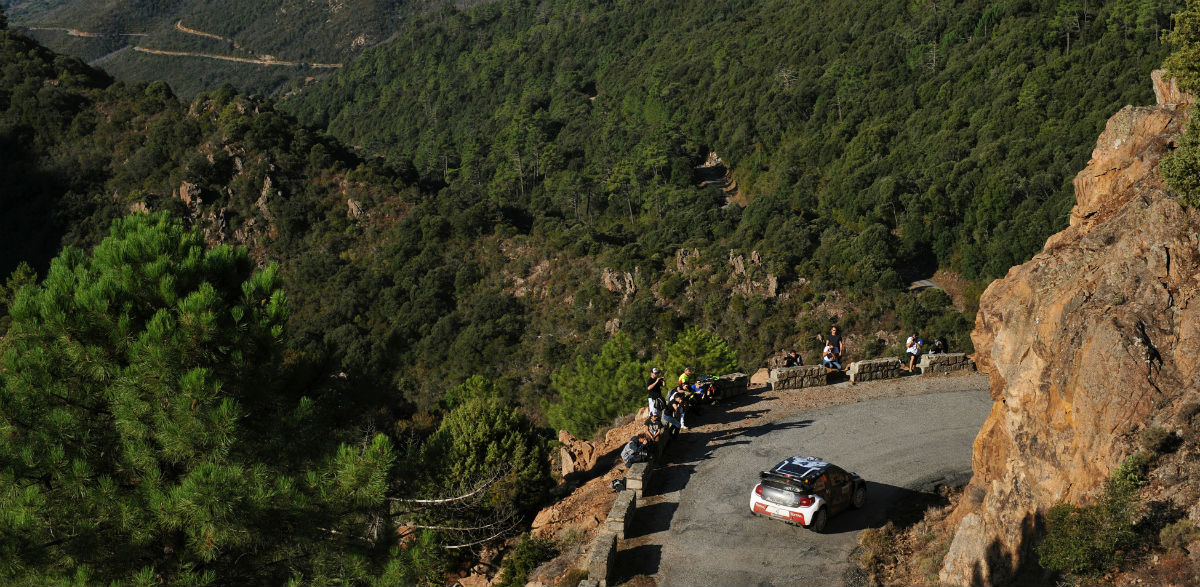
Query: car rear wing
[[798, 482]]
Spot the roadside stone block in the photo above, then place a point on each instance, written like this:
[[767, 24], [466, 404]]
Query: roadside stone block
[[637, 478], [600, 559], [659, 447], [945, 363], [621, 514], [799, 377], [733, 384], [874, 369]]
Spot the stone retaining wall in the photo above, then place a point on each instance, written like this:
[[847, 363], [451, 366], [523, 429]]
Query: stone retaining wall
[[601, 557], [621, 514], [874, 369], [733, 384], [945, 363], [799, 377]]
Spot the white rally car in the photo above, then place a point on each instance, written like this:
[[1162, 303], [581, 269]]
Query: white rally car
[[805, 491]]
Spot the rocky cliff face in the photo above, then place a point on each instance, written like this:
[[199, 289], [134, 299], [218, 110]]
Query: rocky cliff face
[[1095, 338]]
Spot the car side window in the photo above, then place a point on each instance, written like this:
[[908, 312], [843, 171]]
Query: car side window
[[838, 478], [818, 486]]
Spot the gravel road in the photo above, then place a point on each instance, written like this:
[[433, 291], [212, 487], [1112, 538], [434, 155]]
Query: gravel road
[[694, 527]]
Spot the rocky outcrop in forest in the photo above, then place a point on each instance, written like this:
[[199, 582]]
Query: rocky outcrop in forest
[[1094, 339]]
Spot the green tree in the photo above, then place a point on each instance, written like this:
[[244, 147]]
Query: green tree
[[594, 391], [1183, 63], [484, 439], [701, 350], [143, 440], [1181, 169]]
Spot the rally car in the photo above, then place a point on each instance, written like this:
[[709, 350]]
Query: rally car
[[805, 491]]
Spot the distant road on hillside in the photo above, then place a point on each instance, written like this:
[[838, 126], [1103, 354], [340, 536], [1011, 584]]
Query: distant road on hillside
[[697, 529]]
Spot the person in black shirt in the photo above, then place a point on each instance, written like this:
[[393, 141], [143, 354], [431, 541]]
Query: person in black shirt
[[654, 392], [791, 359], [835, 340]]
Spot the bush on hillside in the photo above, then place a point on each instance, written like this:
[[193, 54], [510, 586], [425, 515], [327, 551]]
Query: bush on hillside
[[1090, 540]]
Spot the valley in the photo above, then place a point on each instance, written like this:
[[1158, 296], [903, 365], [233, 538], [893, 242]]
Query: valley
[[365, 292]]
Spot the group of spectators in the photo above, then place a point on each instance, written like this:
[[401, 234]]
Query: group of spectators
[[667, 415], [914, 346], [831, 355]]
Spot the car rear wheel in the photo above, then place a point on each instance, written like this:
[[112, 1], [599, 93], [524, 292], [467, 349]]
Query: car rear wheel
[[860, 497], [818, 521]]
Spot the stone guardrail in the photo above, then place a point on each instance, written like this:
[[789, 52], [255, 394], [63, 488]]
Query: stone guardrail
[[637, 478], [799, 377], [874, 369], [945, 363]]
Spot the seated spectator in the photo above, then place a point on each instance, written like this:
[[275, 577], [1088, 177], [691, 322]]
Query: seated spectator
[[829, 359], [791, 359], [939, 346], [635, 450]]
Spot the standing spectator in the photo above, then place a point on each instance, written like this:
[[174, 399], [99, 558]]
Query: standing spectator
[[686, 376], [912, 347], [675, 414], [834, 340], [654, 394]]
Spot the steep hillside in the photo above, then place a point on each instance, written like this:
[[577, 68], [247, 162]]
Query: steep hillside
[[193, 45], [1091, 350], [949, 129]]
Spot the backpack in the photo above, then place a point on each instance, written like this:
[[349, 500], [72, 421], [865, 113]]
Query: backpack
[[659, 404]]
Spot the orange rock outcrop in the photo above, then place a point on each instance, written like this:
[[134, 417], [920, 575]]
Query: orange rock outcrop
[[1092, 340]]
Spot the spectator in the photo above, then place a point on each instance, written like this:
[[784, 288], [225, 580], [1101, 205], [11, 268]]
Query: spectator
[[674, 413], [635, 450], [829, 359], [686, 376], [939, 346], [912, 347], [834, 340], [791, 359], [654, 395]]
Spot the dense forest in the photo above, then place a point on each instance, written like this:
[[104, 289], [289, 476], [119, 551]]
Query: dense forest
[[395, 285], [105, 34]]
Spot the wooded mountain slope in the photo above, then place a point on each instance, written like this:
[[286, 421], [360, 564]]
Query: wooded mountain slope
[[106, 33], [955, 126]]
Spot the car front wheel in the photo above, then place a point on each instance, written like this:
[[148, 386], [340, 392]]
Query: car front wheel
[[818, 521], [860, 497]]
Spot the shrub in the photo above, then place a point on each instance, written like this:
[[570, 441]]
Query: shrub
[[595, 390], [1188, 412], [1178, 535], [1090, 540], [1156, 439], [529, 552]]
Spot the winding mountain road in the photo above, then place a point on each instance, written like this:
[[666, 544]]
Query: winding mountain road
[[694, 526]]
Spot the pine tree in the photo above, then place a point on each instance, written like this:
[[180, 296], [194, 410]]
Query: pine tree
[[142, 440], [595, 390]]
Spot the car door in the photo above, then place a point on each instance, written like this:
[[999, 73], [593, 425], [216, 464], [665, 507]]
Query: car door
[[840, 489]]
